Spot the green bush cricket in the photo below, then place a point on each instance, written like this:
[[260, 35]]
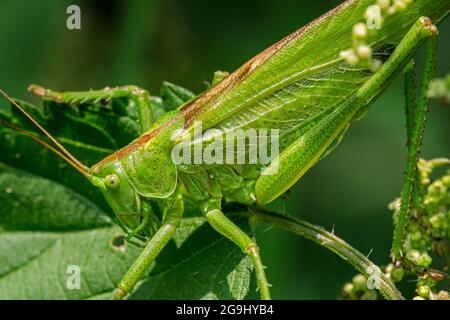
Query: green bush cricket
[[300, 86]]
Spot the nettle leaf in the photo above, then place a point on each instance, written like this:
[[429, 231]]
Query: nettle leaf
[[107, 125], [53, 223], [23, 153], [46, 229], [199, 264], [30, 203], [115, 121], [174, 96], [157, 106]]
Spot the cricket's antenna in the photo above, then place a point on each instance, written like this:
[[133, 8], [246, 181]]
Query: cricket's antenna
[[63, 153], [45, 144]]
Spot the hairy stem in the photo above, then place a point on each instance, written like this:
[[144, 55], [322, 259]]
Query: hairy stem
[[415, 142], [329, 240]]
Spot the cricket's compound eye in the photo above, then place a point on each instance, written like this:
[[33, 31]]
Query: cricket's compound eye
[[112, 181]]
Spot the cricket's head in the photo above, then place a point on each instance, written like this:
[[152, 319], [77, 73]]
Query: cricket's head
[[107, 175]]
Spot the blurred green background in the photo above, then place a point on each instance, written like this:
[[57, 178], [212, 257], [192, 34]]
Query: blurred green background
[[184, 42]]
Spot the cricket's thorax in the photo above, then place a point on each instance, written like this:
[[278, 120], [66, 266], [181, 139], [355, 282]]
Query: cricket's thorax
[[142, 184], [208, 186], [200, 188]]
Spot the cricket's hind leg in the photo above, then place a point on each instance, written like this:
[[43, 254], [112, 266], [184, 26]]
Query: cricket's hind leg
[[228, 229], [140, 97], [416, 111], [297, 158]]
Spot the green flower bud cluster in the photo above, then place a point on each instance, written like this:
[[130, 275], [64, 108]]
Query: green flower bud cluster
[[436, 199], [428, 229], [440, 89], [426, 285], [430, 221], [427, 237], [357, 289], [361, 53], [393, 273]]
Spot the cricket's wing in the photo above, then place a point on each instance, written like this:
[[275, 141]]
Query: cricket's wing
[[296, 82]]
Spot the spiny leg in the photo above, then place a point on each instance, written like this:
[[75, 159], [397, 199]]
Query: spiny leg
[[415, 137], [139, 96], [302, 154], [410, 97], [410, 109], [228, 229], [150, 251]]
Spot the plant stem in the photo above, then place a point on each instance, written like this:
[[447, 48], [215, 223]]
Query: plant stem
[[335, 244], [415, 142]]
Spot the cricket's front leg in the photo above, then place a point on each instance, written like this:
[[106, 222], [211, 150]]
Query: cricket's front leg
[[139, 96], [150, 251], [228, 229]]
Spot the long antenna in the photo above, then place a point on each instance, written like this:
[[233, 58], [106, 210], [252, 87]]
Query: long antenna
[[59, 145], [45, 144]]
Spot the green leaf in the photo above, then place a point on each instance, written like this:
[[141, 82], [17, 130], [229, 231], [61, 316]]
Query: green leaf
[[30, 203], [52, 219], [174, 96], [107, 125], [200, 264], [157, 106], [23, 153], [46, 228]]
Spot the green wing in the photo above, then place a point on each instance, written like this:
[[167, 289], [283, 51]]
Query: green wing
[[295, 83]]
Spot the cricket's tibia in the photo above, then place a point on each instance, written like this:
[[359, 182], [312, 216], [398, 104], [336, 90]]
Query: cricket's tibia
[[302, 154], [228, 229]]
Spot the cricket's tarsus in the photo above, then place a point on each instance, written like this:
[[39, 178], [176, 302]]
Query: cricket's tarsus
[[37, 90]]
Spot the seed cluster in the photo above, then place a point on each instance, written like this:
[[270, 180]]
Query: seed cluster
[[358, 288], [361, 53], [440, 89], [427, 238]]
